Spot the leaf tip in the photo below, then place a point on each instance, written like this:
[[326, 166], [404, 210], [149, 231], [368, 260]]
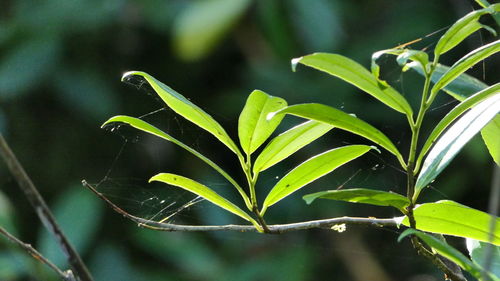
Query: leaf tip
[[308, 198], [295, 61], [376, 149]]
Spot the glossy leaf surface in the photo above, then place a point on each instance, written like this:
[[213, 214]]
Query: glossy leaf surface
[[253, 127], [460, 30], [185, 108], [479, 254], [200, 190], [311, 170], [150, 129], [455, 113], [288, 143], [355, 74], [362, 195], [465, 63], [445, 250], [460, 88], [491, 137], [451, 218], [457, 135], [341, 120]]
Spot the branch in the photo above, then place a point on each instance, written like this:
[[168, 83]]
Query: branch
[[274, 229], [42, 210], [66, 276]]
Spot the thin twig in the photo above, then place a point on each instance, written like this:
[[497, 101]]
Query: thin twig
[[43, 211], [66, 276], [273, 229]]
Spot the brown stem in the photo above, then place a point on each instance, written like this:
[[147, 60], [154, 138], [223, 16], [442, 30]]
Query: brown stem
[[277, 228], [43, 211], [66, 276]]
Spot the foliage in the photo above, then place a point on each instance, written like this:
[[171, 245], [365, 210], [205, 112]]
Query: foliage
[[65, 55], [263, 113]]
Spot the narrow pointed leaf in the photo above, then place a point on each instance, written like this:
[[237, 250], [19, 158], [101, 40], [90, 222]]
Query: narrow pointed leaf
[[491, 137], [459, 88], [451, 218], [311, 170], [465, 63], [185, 108], [355, 74], [253, 127], [479, 254], [455, 113], [362, 195], [445, 250], [150, 129], [288, 143], [375, 67], [457, 135], [341, 120], [200, 190], [460, 30]]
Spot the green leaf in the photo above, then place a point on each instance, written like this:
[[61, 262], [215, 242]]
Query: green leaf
[[457, 135], [416, 56], [355, 74], [460, 88], [454, 114], [341, 120], [185, 108], [311, 170], [451, 218], [203, 24], [150, 129], [288, 143], [460, 30], [201, 190], [478, 253], [253, 127], [491, 137], [464, 64], [445, 250], [362, 195], [375, 67]]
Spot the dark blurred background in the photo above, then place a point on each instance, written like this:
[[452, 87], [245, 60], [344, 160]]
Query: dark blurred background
[[60, 69]]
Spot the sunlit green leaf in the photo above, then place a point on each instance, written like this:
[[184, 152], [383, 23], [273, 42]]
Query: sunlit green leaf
[[311, 170], [202, 25], [362, 195], [455, 113], [457, 135], [460, 88], [445, 250], [288, 143], [201, 190], [150, 129], [253, 127], [460, 30], [375, 67], [451, 218], [185, 108], [341, 120], [491, 136], [355, 74], [479, 254], [465, 63]]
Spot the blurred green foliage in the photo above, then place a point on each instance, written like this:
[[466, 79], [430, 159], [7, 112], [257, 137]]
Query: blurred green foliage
[[60, 64]]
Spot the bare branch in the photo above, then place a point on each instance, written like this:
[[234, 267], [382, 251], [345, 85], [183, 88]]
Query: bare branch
[[66, 276], [274, 229], [42, 210]]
